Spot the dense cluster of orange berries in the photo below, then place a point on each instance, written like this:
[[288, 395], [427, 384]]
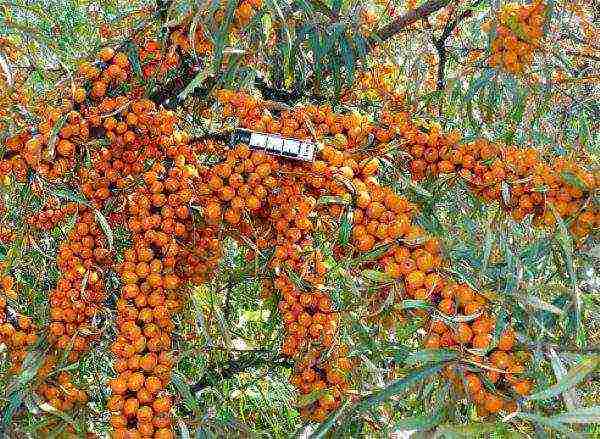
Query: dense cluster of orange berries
[[519, 178], [501, 366], [62, 394], [146, 167], [148, 298], [17, 332], [322, 365], [135, 131], [381, 219], [52, 213], [153, 60], [201, 42], [239, 185], [156, 211], [80, 291], [518, 31]]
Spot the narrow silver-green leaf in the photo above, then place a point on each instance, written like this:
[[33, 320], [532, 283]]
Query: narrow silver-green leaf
[[431, 356], [110, 238], [398, 386], [575, 376], [326, 426], [584, 415], [54, 136], [68, 194]]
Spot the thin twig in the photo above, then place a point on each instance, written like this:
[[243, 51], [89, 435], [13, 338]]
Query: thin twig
[[440, 46]]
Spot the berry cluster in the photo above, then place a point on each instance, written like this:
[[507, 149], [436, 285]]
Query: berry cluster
[[52, 213], [80, 291], [321, 363], [518, 178], [518, 31], [238, 186], [61, 393], [201, 43], [17, 332], [178, 199]]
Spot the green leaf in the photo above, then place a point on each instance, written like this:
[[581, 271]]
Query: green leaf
[[414, 304], [60, 123], [194, 83], [331, 199], [68, 194], [348, 56], [479, 84], [298, 282], [473, 430], [336, 6], [267, 24], [332, 37], [221, 38], [570, 396], [565, 242], [376, 276], [417, 188], [501, 324], [573, 180], [398, 386], [575, 376], [309, 398], [324, 428], [317, 48], [18, 388], [13, 252], [487, 249], [110, 238], [585, 415], [286, 49], [548, 422], [361, 45], [584, 130], [134, 59], [420, 423], [194, 28], [376, 253], [425, 356], [345, 227], [538, 303], [184, 390]]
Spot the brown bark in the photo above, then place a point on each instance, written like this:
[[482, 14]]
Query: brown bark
[[407, 19]]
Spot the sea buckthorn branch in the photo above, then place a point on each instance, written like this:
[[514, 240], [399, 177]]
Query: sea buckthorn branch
[[518, 31], [518, 178], [406, 20], [414, 265], [281, 95], [440, 45], [313, 374], [150, 168]]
